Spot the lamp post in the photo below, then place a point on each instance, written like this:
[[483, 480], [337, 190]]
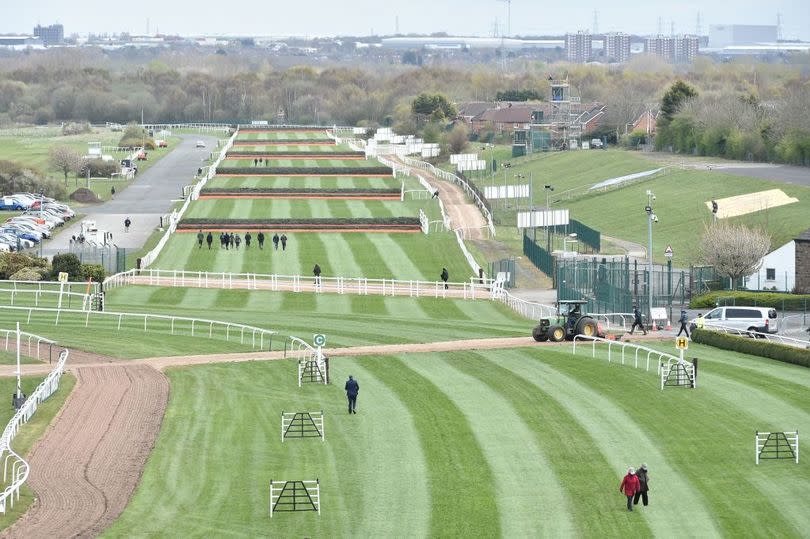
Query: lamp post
[[651, 217], [521, 177], [548, 189]]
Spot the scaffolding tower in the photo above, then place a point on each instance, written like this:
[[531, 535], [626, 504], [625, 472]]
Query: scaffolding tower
[[563, 123]]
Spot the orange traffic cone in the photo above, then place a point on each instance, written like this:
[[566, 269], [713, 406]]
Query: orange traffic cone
[[654, 327], [669, 326]]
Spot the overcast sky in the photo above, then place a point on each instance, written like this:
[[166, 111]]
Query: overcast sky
[[360, 17]]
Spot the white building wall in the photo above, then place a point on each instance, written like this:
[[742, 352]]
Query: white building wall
[[783, 263]]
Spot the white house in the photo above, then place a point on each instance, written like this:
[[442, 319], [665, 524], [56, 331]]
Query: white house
[[778, 270]]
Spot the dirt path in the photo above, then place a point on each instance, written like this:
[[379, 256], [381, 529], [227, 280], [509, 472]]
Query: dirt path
[[87, 465]]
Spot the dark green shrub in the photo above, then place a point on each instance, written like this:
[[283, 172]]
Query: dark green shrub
[[774, 300], [93, 271], [68, 263], [754, 347]]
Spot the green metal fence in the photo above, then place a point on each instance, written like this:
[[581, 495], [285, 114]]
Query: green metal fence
[[614, 286], [542, 259]]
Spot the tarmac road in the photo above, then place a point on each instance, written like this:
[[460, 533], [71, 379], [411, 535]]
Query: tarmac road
[[144, 201]]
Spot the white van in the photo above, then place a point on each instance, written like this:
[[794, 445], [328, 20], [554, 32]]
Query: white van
[[760, 319]]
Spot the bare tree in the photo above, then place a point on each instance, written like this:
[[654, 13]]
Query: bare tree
[[734, 249], [64, 159]]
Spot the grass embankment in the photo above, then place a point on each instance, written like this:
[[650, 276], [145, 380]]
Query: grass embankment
[[470, 443]]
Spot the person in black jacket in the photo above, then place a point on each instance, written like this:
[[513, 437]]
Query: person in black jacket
[[445, 276], [683, 321], [637, 320], [352, 389], [209, 239], [644, 487], [283, 242], [200, 239], [316, 271], [275, 240], [247, 240], [260, 237]]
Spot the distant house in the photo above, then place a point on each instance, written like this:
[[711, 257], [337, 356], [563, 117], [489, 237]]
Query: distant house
[[646, 122], [802, 261], [510, 116], [778, 270], [468, 111]]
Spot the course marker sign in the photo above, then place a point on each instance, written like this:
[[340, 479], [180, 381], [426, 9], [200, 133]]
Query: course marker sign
[[668, 251], [681, 343], [319, 339]]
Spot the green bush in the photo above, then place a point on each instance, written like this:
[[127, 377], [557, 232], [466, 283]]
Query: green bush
[[789, 302], [754, 347], [68, 263], [27, 274], [12, 264], [93, 271]]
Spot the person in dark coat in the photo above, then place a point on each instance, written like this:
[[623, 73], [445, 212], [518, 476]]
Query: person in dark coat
[[227, 241], [643, 486], [316, 271], [237, 240], [260, 237], [200, 238], [255, 161], [127, 223], [248, 237], [637, 321], [209, 239], [445, 275], [629, 487], [284, 242], [275, 240], [112, 192], [221, 240], [352, 389], [683, 321], [435, 194]]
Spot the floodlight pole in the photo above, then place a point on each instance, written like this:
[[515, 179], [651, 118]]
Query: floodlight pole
[[650, 218]]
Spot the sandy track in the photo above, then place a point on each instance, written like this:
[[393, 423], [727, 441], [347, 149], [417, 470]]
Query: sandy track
[[87, 465]]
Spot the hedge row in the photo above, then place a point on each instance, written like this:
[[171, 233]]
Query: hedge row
[[754, 347], [774, 300], [291, 191], [258, 153], [284, 142], [308, 171]]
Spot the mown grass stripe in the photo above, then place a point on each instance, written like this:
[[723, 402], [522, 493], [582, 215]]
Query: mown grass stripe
[[405, 268], [523, 478], [457, 468], [623, 441]]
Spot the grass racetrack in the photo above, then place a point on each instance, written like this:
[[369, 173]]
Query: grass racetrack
[[259, 208], [527, 442], [309, 182]]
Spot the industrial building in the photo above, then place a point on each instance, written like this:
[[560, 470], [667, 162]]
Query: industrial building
[[725, 35], [579, 47], [464, 43]]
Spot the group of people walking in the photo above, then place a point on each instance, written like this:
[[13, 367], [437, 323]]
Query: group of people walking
[[636, 485], [231, 239]]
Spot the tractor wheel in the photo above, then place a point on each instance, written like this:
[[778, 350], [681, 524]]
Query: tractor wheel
[[556, 334], [586, 327], [539, 335]]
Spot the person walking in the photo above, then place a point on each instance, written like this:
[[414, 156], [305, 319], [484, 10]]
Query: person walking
[[221, 240], [683, 321], [200, 238], [209, 239], [283, 242], [248, 237], [445, 275], [275, 241], [227, 241], [127, 223], [700, 323], [352, 389], [112, 193], [260, 237], [637, 321], [238, 240], [255, 161], [629, 487], [316, 271], [643, 486]]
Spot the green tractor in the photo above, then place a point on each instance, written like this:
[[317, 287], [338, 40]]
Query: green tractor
[[571, 320]]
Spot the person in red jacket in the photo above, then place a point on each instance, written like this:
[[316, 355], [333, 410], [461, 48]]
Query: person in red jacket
[[630, 485]]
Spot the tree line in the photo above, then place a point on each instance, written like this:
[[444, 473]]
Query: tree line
[[742, 108]]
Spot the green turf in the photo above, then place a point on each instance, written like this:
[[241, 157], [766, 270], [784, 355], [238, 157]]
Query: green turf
[[275, 148], [510, 443], [279, 208], [371, 255], [306, 182], [682, 213], [315, 134]]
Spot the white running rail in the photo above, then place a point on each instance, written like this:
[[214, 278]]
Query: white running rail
[[15, 467], [30, 338], [647, 353]]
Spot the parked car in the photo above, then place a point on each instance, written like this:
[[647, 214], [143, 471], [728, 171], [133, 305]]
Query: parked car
[[12, 240], [21, 233], [160, 143], [31, 227], [741, 318], [12, 204], [50, 218], [200, 144]]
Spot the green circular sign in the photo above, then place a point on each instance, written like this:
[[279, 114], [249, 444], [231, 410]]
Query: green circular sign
[[319, 339]]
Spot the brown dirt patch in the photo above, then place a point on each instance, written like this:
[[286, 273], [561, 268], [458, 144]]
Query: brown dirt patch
[[87, 465], [85, 196]]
